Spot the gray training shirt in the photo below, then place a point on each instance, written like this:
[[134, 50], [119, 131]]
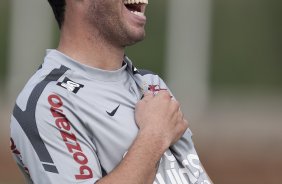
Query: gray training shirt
[[74, 124]]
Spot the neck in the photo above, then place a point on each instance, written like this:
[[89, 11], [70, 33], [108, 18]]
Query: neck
[[88, 48]]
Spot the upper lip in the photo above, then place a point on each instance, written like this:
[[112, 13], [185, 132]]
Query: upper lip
[[137, 5], [135, 1]]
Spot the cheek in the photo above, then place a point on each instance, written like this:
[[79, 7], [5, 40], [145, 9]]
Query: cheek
[[107, 6]]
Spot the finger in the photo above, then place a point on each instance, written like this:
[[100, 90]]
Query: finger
[[181, 115], [147, 96], [186, 123], [175, 105], [148, 93], [164, 94]]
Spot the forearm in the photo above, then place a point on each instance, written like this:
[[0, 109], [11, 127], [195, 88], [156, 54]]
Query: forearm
[[139, 166]]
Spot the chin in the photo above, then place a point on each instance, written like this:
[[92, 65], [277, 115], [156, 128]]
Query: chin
[[135, 38]]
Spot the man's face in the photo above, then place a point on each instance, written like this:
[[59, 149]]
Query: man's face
[[121, 22]]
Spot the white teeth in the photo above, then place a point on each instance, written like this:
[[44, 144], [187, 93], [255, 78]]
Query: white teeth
[[135, 1], [138, 13]]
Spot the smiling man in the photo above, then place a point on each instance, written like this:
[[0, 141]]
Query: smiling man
[[89, 116]]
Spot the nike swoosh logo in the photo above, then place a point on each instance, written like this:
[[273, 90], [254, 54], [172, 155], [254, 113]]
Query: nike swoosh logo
[[113, 112]]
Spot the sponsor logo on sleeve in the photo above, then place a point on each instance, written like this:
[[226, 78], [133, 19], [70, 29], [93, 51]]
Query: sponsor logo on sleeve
[[72, 144], [17, 153], [70, 85]]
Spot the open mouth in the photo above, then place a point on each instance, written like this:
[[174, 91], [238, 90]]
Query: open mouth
[[136, 7]]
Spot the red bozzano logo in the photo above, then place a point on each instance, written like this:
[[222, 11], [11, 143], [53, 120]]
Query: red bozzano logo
[[69, 137]]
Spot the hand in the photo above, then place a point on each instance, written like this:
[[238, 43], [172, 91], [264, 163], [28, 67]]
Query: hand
[[160, 118]]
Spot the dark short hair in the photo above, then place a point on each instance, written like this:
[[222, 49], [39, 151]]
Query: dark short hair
[[58, 7]]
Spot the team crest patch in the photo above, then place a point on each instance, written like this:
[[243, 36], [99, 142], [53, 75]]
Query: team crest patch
[[70, 85]]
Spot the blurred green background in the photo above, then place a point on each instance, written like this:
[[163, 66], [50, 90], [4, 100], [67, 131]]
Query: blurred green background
[[4, 35], [238, 135], [246, 42]]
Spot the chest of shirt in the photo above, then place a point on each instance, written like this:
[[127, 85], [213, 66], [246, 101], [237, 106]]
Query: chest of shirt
[[108, 115]]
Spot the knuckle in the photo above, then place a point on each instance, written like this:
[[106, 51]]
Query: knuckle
[[176, 103], [164, 93], [181, 115], [186, 123], [148, 95]]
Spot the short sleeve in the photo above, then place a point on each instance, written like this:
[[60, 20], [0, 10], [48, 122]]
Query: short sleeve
[[51, 145]]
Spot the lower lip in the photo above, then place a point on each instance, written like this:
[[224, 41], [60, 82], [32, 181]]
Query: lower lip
[[136, 18]]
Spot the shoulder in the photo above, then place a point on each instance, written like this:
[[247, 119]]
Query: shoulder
[[149, 76], [145, 72]]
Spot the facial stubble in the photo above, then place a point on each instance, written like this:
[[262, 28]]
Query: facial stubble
[[105, 17]]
